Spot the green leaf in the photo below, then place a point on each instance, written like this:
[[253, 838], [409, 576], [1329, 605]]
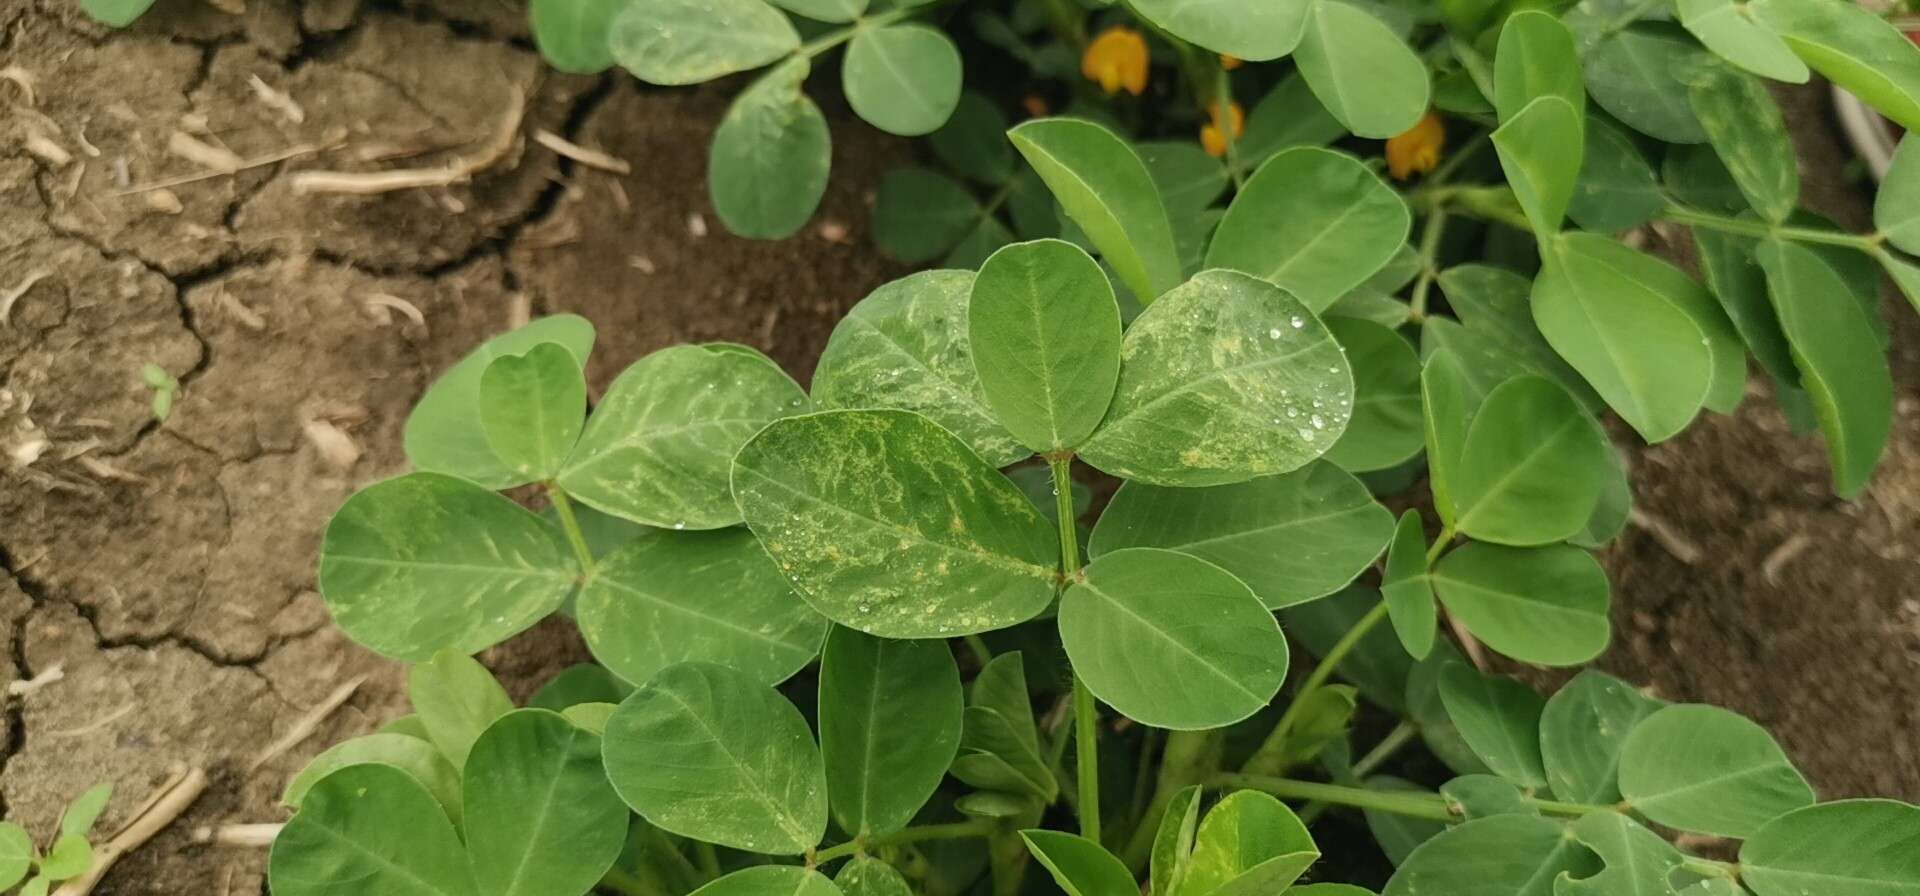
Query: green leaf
[[1744, 125], [117, 13], [973, 142], [1045, 331], [70, 856], [1509, 855], [16, 853], [1407, 590], [871, 690], [1500, 719], [1582, 731], [1611, 514], [918, 215], [906, 346], [1292, 538], [577, 684], [1728, 29], [1536, 57], [1312, 221], [1704, 769], [1397, 835], [413, 755], [863, 876], [572, 34], [979, 244], [1249, 844], [444, 433], [1844, 848], [1106, 189], [1695, 176], [1328, 890], [79, 816], [424, 561], [690, 41], [903, 79], [1207, 374], [1545, 605], [1728, 266], [768, 165], [1425, 708], [1532, 466], [1617, 189], [1080, 866], [1189, 180], [1637, 860], [1478, 796], [771, 880], [369, 830], [1493, 304], [1640, 77], [714, 597], [1896, 208], [541, 818], [1171, 640], [1367, 77], [708, 753], [1289, 115], [1535, 149], [1255, 33], [999, 743], [1448, 408], [1905, 275], [1841, 365], [824, 494], [1173, 842], [1854, 48], [590, 717], [456, 698], [532, 407], [824, 10]]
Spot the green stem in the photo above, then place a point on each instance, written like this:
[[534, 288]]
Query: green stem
[[840, 36], [1271, 757], [1188, 759], [956, 830], [1399, 737], [1429, 265], [981, 652], [709, 859], [1694, 217], [1416, 805], [1440, 543], [563, 508], [1086, 728]]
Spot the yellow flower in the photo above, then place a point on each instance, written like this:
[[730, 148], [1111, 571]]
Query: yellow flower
[[1417, 150], [1230, 62], [1213, 136], [1117, 59]]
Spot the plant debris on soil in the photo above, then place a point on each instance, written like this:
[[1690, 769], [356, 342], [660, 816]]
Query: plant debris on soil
[[157, 590]]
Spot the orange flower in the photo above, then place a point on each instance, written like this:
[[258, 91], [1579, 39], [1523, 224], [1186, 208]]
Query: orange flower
[[1213, 136], [1117, 59], [1035, 105], [1417, 150], [1230, 62]]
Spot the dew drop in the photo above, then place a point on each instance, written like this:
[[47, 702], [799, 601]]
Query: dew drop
[[1317, 421], [680, 525], [1293, 413], [1306, 435], [1298, 321], [1273, 333], [865, 608]]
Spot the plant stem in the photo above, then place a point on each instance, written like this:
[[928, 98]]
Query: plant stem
[[1271, 757], [1384, 750], [1188, 758], [840, 36], [1429, 267], [1417, 805], [955, 830], [709, 859], [563, 508], [1086, 728], [1440, 543], [981, 652], [1694, 217]]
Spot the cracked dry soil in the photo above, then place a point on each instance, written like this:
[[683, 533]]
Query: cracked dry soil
[[166, 570]]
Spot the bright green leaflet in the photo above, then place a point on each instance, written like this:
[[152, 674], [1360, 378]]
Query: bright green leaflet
[[1171, 640], [1727, 384], [973, 142], [1637, 860], [1107, 190], [1536, 57], [1448, 409], [1728, 266], [542, 819], [78, 818], [1640, 77], [1312, 221], [824, 10], [706, 752], [1511, 855], [1837, 353], [768, 165], [906, 346], [1207, 377], [369, 830], [828, 495], [1421, 697], [1536, 149], [1704, 769], [903, 79], [1367, 77], [1173, 842], [658, 446], [872, 690], [1292, 537], [1617, 189], [1905, 275], [118, 13], [1493, 304], [16, 853], [771, 880], [67, 858], [690, 41], [1500, 720], [1581, 733], [1256, 32], [417, 757], [1844, 848], [1611, 514], [1289, 115], [714, 597], [1747, 132], [591, 717], [456, 699], [1250, 844], [424, 561], [444, 433], [920, 214], [1545, 605], [1407, 590], [1727, 28], [1386, 428], [1853, 48], [1532, 466], [863, 876], [1625, 333], [1188, 178], [1045, 332], [1080, 866], [572, 34], [1478, 796], [1896, 208], [532, 407]]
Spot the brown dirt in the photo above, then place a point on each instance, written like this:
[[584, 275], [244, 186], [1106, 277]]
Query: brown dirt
[[167, 570]]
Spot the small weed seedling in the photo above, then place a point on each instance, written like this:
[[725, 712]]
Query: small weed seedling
[[68, 856]]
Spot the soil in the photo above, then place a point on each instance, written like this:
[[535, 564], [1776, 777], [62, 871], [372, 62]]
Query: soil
[[157, 587]]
